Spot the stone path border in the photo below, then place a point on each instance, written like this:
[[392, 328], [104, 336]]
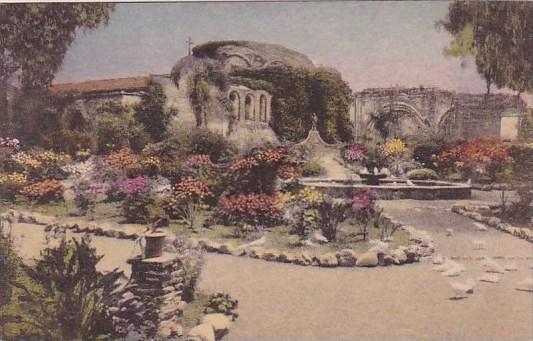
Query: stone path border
[[473, 212], [421, 246], [378, 255]]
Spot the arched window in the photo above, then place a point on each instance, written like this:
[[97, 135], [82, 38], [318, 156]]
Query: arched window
[[263, 108], [236, 103], [249, 113]]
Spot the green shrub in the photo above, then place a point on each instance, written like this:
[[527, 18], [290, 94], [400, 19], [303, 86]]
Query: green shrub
[[221, 303], [311, 168], [70, 142], [422, 174], [64, 296], [116, 128], [454, 177], [205, 142]]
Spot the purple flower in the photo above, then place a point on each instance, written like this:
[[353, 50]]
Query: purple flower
[[133, 186], [354, 153]]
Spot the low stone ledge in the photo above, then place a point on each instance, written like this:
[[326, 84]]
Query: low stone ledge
[[52, 224], [474, 212]]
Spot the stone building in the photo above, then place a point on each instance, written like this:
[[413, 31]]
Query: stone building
[[251, 108], [405, 112]]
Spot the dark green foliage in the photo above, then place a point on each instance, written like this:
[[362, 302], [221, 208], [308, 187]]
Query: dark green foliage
[[208, 50], [152, 114], [499, 35], [297, 94], [221, 303], [311, 168], [522, 165], [203, 141], [116, 128], [36, 117], [8, 265], [140, 208], [422, 174], [35, 37], [526, 127], [65, 297], [69, 141]]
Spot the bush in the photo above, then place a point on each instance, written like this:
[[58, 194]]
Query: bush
[[66, 298], [422, 174], [203, 141], [221, 303], [354, 152], [116, 128], [254, 209], [44, 191], [522, 166], [257, 171], [71, 142], [186, 200], [311, 168], [8, 264], [139, 207], [11, 184]]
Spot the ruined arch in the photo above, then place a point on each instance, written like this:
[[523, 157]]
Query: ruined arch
[[449, 123], [395, 119], [235, 99], [249, 104]]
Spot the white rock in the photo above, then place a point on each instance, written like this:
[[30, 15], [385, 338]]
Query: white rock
[[220, 323], [491, 266], [367, 259], [258, 242], [480, 226], [449, 232], [203, 331], [510, 267], [461, 289], [525, 285], [438, 259], [319, 238], [489, 278]]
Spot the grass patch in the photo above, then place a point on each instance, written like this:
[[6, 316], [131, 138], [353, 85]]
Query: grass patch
[[193, 312]]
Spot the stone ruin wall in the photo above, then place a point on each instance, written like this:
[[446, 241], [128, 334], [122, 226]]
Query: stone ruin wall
[[438, 111]]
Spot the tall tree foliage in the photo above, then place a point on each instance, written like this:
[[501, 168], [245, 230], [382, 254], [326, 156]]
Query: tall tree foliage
[[35, 37], [499, 35], [297, 94], [152, 113]]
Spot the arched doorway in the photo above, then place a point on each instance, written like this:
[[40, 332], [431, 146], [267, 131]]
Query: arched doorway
[[249, 113], [236, 104]]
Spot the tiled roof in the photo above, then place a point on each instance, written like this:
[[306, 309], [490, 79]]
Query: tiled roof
[[102, 85]]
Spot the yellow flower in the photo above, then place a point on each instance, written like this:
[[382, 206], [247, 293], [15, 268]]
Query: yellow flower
[[311, 195], [394, 147]]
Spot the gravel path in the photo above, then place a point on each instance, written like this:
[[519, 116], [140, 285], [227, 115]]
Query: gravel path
[[411, 302]]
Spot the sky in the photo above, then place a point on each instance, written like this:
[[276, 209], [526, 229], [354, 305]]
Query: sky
[[372, 44]]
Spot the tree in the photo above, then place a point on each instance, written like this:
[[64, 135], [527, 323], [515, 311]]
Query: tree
[[152, 114], [499, 36], [65, 297], [35, 37]]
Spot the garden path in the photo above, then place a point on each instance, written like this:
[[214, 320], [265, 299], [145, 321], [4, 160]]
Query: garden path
[[333, 168], [410, 302]]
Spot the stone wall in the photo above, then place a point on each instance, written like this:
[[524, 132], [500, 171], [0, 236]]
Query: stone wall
[[431, 111], [156, 287]]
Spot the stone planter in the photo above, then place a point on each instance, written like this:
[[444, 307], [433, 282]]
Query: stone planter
[[154, 244]]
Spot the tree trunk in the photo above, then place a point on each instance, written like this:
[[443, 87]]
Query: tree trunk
[[4, 113]]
